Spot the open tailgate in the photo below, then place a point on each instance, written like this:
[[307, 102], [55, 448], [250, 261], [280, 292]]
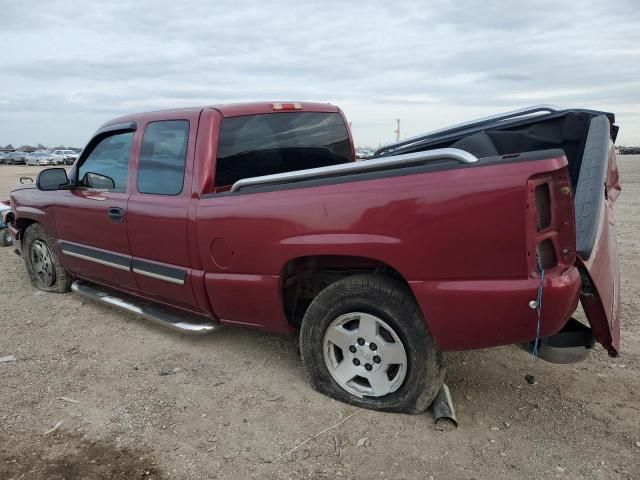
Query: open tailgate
[[597, 251]]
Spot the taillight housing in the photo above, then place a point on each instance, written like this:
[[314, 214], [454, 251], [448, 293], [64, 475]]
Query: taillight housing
[[552, 237]]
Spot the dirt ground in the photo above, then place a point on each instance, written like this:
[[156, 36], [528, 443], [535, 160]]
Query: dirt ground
[[155, 404]]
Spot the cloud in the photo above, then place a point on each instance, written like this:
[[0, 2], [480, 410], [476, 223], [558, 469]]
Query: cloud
[[69, 66]]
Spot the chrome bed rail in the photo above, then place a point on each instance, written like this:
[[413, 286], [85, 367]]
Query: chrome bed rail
[[376, 164]]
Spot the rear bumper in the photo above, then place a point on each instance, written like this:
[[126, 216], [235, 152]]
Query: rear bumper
[[471, 314]]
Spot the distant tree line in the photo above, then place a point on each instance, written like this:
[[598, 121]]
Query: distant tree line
[[39, 146]]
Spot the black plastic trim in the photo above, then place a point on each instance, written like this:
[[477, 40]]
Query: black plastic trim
[[420, 143], [430, 166], [99, 255], [591, 185], [160, 270], [117, 127]]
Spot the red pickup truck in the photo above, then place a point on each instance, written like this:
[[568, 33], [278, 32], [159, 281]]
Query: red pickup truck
[[483, 234]]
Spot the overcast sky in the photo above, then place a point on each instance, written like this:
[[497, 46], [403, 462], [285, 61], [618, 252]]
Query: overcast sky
[[67, 67]]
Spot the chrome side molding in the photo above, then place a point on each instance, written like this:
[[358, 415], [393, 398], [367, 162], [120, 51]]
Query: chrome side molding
[[182, 322], [376, 164]]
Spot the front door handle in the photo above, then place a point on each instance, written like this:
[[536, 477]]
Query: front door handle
[[116, 214]]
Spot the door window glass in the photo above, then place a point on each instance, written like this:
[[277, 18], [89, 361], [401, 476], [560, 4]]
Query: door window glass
[[162, 157], [107, 166]]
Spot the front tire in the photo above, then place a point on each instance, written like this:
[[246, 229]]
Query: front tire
[[365, 342], [43, 265]]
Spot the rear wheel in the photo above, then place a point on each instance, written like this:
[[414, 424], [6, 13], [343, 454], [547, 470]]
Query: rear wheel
[[365, 342], [44, 268]]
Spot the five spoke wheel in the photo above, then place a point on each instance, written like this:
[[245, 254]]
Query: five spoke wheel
[[364, 355], [42, 263]]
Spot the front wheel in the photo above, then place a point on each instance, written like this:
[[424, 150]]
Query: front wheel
[[45, 270], [365, 342]]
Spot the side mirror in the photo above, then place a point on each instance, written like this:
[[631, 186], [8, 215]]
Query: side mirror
[[52, 179], [96, 180]]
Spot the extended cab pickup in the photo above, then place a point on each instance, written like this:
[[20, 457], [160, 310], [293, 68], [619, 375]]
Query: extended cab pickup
[[482, 234]]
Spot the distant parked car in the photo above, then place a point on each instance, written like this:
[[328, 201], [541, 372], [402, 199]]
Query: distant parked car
[[40, 158], [17, 158], [3, 158], [69, 155], [362, 153], [58, 158]]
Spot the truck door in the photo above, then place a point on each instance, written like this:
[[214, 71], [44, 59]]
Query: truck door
[[596, 192], [91, 218], [158, 209]]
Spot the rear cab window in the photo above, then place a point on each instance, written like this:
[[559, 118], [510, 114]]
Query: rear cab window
[[266, 144]]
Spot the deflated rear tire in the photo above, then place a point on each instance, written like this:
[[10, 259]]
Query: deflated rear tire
[[365, 342], [45, 270]]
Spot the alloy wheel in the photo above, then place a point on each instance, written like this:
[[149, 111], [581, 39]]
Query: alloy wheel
[[42, 263], [365, 355]]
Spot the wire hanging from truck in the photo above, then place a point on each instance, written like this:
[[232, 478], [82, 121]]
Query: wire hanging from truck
[[538, 306]]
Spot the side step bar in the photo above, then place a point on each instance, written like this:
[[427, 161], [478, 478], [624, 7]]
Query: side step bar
[[182, 322]]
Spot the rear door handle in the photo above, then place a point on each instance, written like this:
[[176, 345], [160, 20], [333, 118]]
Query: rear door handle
[[116, 214]]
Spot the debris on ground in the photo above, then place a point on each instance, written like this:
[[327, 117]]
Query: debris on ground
[[70, 400], [54, 428], [363, 442]]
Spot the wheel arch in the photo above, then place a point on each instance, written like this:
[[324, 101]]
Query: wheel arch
[[302, 278], [21, 224]]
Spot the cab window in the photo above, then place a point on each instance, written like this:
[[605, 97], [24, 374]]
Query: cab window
[[162, 157], [256, 145], [107, 166]]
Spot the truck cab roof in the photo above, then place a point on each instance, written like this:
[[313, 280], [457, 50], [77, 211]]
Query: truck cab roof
[[236, 110]]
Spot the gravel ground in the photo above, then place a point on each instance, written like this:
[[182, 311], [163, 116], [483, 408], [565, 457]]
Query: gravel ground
[[150, 403]]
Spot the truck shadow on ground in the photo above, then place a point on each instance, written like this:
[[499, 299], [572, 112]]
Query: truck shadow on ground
[[57, 457]]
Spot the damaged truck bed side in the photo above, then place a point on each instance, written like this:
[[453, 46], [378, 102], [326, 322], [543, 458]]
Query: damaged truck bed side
[[258, 215], [586, 138]]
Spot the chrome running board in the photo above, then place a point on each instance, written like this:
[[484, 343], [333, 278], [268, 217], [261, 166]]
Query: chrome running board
[[176, 320]]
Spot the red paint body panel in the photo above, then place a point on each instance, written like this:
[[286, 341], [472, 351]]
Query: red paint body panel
[[250, 300], [157, 224], [82, 218], [463, 238], [439, 228], [603, 310], [471, 314]]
